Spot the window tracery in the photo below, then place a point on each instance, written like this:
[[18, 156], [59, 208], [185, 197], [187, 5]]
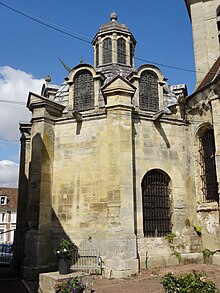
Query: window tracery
[[148, 91], [83, 91]]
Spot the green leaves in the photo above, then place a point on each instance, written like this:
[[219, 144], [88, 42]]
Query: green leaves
[[188, 283]]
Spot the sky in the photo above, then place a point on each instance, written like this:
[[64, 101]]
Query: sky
[[30, 50]]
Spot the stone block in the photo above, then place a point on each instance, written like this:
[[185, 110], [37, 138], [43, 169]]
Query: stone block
[[216, 259], [47, 281], [191, 258]]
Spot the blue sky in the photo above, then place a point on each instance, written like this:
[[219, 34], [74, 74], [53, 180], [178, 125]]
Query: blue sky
[[29, 51]]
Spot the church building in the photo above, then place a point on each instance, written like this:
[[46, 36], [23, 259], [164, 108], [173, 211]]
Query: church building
[[115, 159]]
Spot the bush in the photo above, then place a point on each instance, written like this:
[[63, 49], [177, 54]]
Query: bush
[[188, 283]]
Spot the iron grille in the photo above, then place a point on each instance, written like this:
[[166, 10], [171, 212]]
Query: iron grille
[[83, 91], [208, 167], [148, 88], [107, 51], [88, 261], [156, 204], [121, 51]]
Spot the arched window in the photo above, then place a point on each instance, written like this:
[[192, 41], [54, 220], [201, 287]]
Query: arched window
[[156, 204], [107, 51], [83, 91], [97, 54], [121, 51], [208, 167], [148, 91]]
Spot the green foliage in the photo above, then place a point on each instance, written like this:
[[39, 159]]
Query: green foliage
[[66, 249], [72, 285], [177, 254], [170, 237], [188, 283], [198, 230], [207, 253]]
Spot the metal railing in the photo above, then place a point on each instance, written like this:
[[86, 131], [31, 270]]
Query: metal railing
[[88, 261]]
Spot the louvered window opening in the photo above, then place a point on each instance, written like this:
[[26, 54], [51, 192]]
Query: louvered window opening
[[208, 166], [121, 51], [148, 91], [131, 54], [107, 51], [97, 54], [83, 91], [156, 204]]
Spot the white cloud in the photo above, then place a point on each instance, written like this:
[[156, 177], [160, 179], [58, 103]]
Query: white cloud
[[8, 174], [15, 86]]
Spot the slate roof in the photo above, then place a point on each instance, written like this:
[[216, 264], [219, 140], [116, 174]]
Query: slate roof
[[211, 75], [12, 196]]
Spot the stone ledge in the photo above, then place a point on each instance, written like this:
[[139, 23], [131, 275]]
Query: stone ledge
[[47, 281]]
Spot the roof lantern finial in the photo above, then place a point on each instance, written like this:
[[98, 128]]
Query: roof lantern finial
[[113, 16]]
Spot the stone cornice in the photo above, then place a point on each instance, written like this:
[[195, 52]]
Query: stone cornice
[[38, 102]]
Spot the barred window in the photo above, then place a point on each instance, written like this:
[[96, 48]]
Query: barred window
[[156, 204], [148, 91], [121, 51], [107, 51], [97, 54], [83, 91], [208, 167]]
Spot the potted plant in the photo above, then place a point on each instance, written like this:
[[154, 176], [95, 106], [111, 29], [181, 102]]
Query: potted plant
[[65, 251], [72, 285]]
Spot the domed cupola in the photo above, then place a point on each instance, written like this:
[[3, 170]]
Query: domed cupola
[[114, 44]]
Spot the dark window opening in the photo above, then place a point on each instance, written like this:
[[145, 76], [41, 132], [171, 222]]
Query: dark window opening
[[121, 51], [208, 167], [107, 51], [148, 91], [97, 54], [83, 91], [156, 204], [131, 54]]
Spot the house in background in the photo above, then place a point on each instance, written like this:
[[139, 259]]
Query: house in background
[[8, 214]]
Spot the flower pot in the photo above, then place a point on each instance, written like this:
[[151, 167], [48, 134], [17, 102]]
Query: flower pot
[[64, 266]]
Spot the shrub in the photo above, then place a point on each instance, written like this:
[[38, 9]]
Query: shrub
[[188, 283], [66, 249]]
